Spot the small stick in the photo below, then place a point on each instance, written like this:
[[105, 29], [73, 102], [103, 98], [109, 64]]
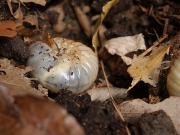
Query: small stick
[[156, 34], [114, 103], [165, 27], [154, 45]]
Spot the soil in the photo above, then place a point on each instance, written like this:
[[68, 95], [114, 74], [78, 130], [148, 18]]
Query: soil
[[124, 19], [155, 127]]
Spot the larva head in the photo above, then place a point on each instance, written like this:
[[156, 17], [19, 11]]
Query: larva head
[[66, 65]]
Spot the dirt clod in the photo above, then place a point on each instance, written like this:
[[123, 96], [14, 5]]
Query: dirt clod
[[14, 48], [157, 123], [97, 118]]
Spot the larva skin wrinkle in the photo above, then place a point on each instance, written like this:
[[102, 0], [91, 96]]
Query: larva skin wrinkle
[[173, 78], [65, 65]]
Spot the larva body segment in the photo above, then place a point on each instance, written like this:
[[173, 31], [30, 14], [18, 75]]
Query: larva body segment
[[173, 79], [65, 65]]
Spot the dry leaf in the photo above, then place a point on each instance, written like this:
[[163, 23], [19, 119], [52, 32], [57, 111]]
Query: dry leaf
[[146, 68], [40, 2], [124, 45], [10, 6], [32, 19], [19, 16], [105, 10], [132, 110], [7, 29], [13, 77], [28, 115], [102, 94], [85, 8], [31, 34], [21, 30], [60, 25], [83, 20]]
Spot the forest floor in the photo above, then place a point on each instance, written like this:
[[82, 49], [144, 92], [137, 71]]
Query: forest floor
[[146, 109]]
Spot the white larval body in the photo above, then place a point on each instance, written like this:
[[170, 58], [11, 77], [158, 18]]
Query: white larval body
[[173, 79], [65, 65]]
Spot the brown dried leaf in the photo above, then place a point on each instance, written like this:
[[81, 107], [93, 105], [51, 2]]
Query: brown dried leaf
[[146, 68], [7, 29], [105, 10], [102, 94], [60, 25], [32, 19], [31, 34], [13, 77], [28, 115], [40, 2], [19, 16], [83, 20], [132, 110], [21, 30]]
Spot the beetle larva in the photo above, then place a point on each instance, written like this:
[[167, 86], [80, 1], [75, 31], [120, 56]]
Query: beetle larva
[[173, 79], [65, 65]]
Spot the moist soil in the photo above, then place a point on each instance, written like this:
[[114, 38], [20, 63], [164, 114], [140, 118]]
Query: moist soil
[[124, 19]]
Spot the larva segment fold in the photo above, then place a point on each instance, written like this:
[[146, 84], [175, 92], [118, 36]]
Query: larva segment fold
[[173, 78]]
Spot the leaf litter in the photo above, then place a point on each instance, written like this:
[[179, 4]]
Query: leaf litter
[[15, 78], [146, 68], [124, 45], [132, 110], [34, 115], [147, 78], [7, 29]]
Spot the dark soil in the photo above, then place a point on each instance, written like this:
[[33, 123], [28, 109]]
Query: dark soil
[[97, 118], [156, 124], [124, 19]]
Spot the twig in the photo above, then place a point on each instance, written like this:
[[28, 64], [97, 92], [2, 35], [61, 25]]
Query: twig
[[114, 103], [156, 34], [154, 45], [165, 27]]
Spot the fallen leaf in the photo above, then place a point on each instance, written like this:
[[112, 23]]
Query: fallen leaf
[[32, 19], [60, 25], [21, 30], [102, 94], [124, 45], [147, 68], [132, 110], [85, 8], [83, 20], [40, 2], [31, 34], [28, 115], [105, 10], [10, 6], [18, 15], [103, 53], [7, 29], [102, 37], [14, 78]]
